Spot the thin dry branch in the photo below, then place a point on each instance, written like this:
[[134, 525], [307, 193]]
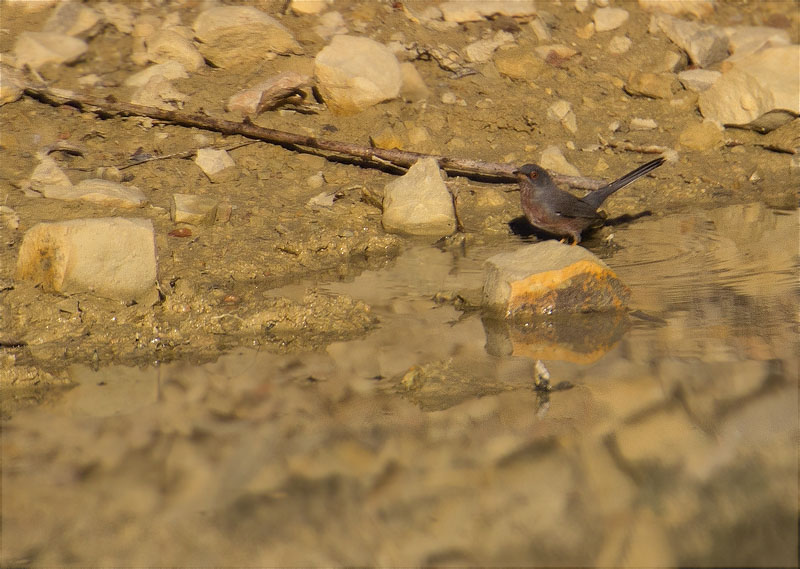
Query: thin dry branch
[[376, 157]]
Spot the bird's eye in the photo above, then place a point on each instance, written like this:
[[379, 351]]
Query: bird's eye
[[533, 175]]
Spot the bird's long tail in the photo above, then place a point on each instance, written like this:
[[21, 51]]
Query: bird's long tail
[[598, 196]]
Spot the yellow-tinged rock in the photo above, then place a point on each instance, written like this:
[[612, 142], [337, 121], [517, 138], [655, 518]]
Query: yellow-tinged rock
[[551, 278]]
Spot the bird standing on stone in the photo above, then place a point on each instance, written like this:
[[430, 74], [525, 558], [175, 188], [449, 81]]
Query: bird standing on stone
[[560, 213]]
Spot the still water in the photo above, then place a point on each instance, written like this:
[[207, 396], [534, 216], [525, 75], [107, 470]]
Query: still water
[[669, 436]]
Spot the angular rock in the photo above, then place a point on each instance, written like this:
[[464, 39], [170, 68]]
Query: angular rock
[[11, 84], [73, 19], [268, 93], [552, 159], [643, 124], [169, 70], [48, 173], [475, 10], [518, 63], [703, 44], [36, 49], [112, 257], [607, 19], [554, 54], [103, 192], [169, 45], [704, 136], [241, 35], [413, 88], [753, 86], [419, 203], [551, 278], [697, 8], [746, 40], [562, 111], [619, 45], [655, 86], [159, 93], [216, 164], [354, 73], [192, 209], [481, 51], [306, 7], [698, 80]]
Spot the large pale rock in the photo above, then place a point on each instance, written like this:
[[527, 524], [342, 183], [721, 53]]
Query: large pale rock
[[36, 49], [755, 85], [216, 164], [746, 40], [103, 192], [703, 44], [160, 93], [419, 203], [698, 8], [551, 278], [11, 84], [607, 19], [73, 19], [241, 35], [354, 73], [553, 159], [113, 257], [48, 173]]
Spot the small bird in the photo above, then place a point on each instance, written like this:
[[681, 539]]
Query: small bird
[[560, 213]]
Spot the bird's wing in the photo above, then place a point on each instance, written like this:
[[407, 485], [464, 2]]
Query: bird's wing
[[567, 205]]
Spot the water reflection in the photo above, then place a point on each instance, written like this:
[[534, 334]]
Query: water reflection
[[425, 443]]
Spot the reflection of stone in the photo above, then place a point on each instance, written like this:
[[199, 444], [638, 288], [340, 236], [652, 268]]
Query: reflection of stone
[[580, 338]]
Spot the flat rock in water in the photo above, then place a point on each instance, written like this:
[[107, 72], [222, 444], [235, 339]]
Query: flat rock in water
[[550, 278], [112, 257], [241, 35], [193, 209], [103, 192], [753, 86], [354, 73], [36, 49], [419, 203]]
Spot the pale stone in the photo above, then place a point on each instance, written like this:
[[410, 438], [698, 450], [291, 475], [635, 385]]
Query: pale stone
[[36, 49], [552, 159], [481, 51], [103, 192], [548, 278], [607, 19], [354, 73], [48, 173], [113, 257], [330, 24], [413, 88], [697, 8], [169, 45], [248, 101], [562, 111], [169, 70], [9, 218], [11, 84], [216, 164], [193, 209], [746, 40], [643, 124], [704, 136], [540, 30], [619, 45], [475, 10], [118, 15], [308, 7], [704, 44], [73, 19], [653, 85], [755, 85], [698, 80], [241, 35], [419, 203], [519, 63], [558, 51], [159, 93]]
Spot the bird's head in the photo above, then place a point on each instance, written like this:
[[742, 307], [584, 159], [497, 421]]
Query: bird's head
[[531, 172]]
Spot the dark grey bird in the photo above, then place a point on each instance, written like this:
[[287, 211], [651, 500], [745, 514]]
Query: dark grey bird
[[560, 213]]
